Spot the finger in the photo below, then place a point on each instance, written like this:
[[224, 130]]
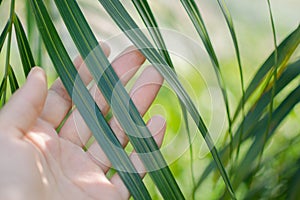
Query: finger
[[126, 65], [25, 106], [157, 128], [143, 93], [58, 101]]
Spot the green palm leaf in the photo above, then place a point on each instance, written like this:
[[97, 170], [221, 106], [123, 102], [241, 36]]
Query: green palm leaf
[[3, 35], [258, 144], [116, 95], [12, 80], [24, 48], [230, 25], [129, 27], [85, 103], [147, 16], [7, 61], [293, 192], [274, 85], [284, 51], [2, 87], [195, 15], [247, 168], [255, 113]]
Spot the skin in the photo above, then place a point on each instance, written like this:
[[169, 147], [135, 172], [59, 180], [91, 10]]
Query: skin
[[39, 163]]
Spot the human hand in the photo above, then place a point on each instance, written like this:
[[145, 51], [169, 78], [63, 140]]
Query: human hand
[[39, 163]]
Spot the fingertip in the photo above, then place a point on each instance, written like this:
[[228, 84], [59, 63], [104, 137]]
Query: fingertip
[[78, 61], [127, 63], [132, 48], [152, 71], [136, 52], [26, 104], [36, 84], [38, 75], [150, 76], [157, 126], [157, 121], [36, 70]]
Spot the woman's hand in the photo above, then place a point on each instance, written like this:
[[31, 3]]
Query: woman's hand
[[39, 163]]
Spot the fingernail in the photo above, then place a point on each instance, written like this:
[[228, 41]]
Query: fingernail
[[31, 73], [37, 72]]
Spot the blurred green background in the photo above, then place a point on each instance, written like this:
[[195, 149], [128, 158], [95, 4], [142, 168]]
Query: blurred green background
[[253, 28]]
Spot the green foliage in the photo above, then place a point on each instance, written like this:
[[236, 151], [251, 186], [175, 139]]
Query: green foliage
[[243, 165]]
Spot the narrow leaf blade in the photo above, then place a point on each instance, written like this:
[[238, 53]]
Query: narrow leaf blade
[[147, 16], [3, 35], [24, 48], [230, 25], [14, 85]]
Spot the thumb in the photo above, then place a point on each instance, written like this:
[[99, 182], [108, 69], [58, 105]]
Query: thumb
[[25, 106]]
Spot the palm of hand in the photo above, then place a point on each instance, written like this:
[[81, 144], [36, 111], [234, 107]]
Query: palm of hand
[[40, 163], [54, 168]]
